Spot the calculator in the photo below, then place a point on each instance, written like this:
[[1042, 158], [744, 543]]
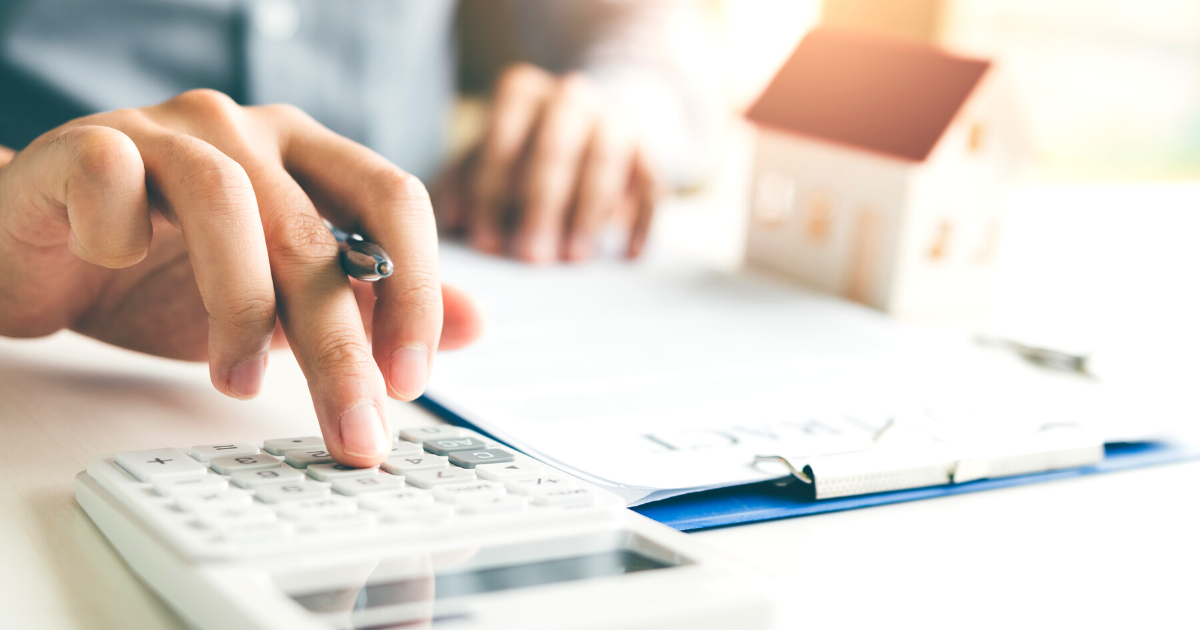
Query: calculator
[[452, 531]]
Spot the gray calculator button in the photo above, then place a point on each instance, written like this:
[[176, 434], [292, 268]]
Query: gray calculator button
[[405, 464], [400, 447], [304, 459], [329, 472], [229, 465], [291, 491], [160, 463], [439, 476], [509, 503], [510, 470], [257, 478], [463, 492], [563, 496], [357, 486], [444, 446], [420, 434], [209, 501], [282, 446], [173, 487], [206, 452], [471, 459]]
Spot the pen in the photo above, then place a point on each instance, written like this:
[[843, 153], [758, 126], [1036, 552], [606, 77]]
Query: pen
[[361, 259]]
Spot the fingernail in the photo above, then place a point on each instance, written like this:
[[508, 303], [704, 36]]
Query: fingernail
[[409, 370], [245, 377], [362, 432]]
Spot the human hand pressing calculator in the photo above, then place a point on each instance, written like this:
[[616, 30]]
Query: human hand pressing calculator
[[453, 530]]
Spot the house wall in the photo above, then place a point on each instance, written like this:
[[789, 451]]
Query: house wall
[[826, 215], [954, 209]]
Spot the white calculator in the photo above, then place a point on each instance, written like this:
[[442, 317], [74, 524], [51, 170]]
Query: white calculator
[[452, 531]]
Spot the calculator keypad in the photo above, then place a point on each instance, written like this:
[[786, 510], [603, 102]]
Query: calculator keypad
[[218, 495]]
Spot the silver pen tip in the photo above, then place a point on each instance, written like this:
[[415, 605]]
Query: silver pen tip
[[384, 269]]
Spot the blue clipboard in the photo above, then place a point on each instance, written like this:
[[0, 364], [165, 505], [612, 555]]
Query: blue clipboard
[[776, 499]]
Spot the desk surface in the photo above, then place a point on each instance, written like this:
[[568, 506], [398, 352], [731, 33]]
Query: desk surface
[[1102, 550], [1106, 549]]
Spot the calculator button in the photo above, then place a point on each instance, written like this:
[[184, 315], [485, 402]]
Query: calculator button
[[258, 533], [190, 485], [530, 485], [408, 497], [291, 491], [210, 501], [464, 492], [338, 522], [317, 508], [406, 464], [206, 452], [445, 446], [228, 465], [509, 503], [439, 476], [304, 459], [400, 447], [234, 517], [508, 471], [420, 434], [563, 496], [282, 446], [410, 513], [363, 485], [160, 463], [256, 478], [329, 472], [470, 459]]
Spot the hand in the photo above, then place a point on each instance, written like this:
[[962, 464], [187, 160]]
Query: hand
[[555, 166], [185, 229]]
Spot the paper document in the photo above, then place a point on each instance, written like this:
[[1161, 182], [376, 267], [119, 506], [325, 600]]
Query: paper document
[[653, 379]]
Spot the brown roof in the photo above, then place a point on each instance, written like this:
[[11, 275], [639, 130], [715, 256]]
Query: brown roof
[[867, 91]]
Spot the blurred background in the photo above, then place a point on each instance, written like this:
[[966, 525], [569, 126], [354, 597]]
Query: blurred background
[[1110, 89]]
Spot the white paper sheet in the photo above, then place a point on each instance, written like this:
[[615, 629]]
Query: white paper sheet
[[654, 379]]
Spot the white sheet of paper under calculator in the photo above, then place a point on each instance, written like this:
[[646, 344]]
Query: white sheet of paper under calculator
[[654, 379]]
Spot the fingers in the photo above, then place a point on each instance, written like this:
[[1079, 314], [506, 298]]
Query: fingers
[[96, 175], [554, 163], [605, 179], [214, 202], [362, 191], [645, 194], [520, 94]]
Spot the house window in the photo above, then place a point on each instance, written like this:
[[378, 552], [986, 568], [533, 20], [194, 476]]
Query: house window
[[939, 248], [773, 197], [976, 136], [818, 217]]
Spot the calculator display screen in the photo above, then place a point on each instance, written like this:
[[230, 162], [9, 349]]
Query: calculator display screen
[[484, 580]]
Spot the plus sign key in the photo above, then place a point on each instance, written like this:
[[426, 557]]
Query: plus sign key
[[160, 463]]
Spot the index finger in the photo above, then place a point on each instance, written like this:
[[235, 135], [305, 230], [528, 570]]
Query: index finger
[[360, 190]]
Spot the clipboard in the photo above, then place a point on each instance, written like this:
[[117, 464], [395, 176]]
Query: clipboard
[[787, 497], [776, 499]]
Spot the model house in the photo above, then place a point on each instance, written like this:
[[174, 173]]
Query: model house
[[881, 172]]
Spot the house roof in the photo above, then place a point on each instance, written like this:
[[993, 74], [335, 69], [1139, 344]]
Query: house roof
[[868, 91]]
